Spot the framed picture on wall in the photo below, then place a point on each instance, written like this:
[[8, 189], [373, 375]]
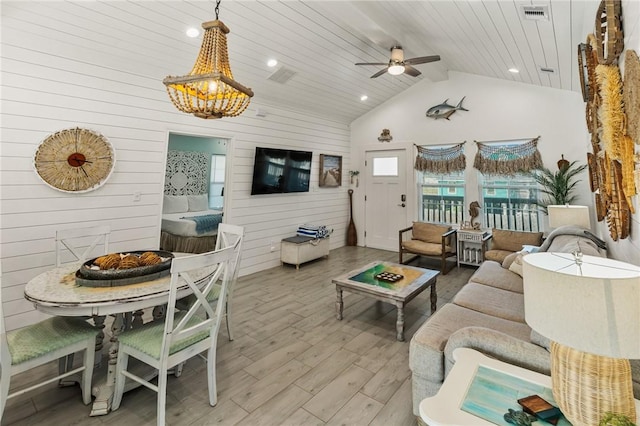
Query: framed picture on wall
[[330, 170]]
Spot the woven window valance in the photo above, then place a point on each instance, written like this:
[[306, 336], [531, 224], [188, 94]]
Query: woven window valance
[[441, 160], [507, 158]]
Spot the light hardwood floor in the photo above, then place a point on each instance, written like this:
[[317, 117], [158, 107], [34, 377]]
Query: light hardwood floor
[[291, 363]]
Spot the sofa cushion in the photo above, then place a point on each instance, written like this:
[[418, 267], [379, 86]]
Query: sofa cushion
[[420, 247], [492, 301], [497, 255], [493, 274], [428, 343], [429, 232], [514, 240]]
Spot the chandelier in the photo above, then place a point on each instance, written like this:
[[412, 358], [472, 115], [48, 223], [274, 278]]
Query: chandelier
[[209, 90]]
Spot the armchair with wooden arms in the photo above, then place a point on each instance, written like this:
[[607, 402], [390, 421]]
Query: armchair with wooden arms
[[430, 240]]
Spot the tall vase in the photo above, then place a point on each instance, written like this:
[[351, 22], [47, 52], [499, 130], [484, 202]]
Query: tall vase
[[352, 235]]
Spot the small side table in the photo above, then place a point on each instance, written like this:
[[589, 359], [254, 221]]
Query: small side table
[[471, 246], [444, 408]]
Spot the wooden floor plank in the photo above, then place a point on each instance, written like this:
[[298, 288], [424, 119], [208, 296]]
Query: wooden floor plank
[[332, 397]]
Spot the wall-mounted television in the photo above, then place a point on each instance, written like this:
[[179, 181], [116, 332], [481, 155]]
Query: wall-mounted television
[[277, 171]]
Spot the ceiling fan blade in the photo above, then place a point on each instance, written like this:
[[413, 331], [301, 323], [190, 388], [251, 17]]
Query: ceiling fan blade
[[408, 69], [371, 63], [379, 73], [422, 60]]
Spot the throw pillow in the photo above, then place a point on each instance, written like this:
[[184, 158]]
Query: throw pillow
[[506, 263], [175, 204], [198, 203], [429, 232], [516, 265]]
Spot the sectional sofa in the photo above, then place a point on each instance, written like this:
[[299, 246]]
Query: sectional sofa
[[487, 315]]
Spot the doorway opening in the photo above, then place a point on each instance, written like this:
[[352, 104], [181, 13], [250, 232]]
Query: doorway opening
[[194, 201]]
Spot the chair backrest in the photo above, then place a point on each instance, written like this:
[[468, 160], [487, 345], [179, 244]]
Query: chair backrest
[[229, 235], [197, 275], [75, 240]]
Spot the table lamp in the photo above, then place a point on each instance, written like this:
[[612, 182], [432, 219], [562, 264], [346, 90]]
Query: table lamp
[[589, 307], [560, 215]]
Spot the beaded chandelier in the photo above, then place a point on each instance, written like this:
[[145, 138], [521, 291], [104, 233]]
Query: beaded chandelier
[[209, 90]]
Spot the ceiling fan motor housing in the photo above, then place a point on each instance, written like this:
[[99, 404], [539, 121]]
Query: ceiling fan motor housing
[[397, 56]]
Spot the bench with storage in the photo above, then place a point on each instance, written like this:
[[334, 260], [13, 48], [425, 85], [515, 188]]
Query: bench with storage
[[297, 250]]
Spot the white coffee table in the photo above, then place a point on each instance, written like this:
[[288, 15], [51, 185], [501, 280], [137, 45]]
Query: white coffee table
[[444, 408]]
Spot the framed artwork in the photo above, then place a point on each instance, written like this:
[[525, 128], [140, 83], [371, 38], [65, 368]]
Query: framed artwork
[[330, 170]]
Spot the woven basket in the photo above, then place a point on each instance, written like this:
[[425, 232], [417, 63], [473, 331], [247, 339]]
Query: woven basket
[[609, 35], [586, 386]]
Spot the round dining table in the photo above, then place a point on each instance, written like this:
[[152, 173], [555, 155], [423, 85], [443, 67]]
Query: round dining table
[[56, 292]]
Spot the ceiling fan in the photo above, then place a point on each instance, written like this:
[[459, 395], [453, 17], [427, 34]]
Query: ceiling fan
[[398, 65]]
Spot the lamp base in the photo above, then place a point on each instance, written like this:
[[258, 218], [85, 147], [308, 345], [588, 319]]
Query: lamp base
[[586, 386]]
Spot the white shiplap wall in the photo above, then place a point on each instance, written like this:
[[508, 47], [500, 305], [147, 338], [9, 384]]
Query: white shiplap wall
[[56, 75]]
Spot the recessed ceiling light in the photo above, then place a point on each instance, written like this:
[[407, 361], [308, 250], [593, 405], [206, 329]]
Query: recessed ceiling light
[[193, 32], [272, 63], [514, 70], [364, 98]]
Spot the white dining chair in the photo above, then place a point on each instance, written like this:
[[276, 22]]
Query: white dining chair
[[184, 334], [229, 235], [76, 241], [38, 344]]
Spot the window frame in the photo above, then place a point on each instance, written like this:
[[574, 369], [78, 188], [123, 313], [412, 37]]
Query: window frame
[[450, 208]]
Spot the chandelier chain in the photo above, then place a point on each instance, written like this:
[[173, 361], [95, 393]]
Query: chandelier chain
[[217, 9]]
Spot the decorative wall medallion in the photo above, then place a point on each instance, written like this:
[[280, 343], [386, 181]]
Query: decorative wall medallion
[[186, 173], [74, 160], [385, 136]]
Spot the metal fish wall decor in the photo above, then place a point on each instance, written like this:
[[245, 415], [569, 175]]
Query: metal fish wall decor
[[444, 110]]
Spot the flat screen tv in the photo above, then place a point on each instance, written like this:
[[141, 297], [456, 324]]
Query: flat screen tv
[[277, 171]]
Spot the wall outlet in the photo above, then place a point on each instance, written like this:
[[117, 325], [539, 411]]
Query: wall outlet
[[137, 196], [272, 245]]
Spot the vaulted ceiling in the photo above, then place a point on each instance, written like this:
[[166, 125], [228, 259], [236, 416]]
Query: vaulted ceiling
[[317, 43]]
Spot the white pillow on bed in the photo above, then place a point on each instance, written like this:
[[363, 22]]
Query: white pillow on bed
[[175, 204], [198, 203]]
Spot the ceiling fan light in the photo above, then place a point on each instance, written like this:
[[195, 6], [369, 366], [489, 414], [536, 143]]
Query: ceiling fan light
[[396, 69], [209, 90]]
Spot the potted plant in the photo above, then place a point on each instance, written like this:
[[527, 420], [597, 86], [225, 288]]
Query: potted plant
[[558, 186], [354, 173]]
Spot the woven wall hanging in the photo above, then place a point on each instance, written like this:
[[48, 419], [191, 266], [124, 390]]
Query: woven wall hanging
[[610, 113], [631, 94], [441, 160], [609, 35], [507, 159], [618, 214]]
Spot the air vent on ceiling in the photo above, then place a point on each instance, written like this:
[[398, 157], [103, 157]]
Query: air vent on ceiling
[[281, 75], [535, 13], [547, 70]]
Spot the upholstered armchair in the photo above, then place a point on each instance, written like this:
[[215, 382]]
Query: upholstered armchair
[[430, 240], [504, 242]]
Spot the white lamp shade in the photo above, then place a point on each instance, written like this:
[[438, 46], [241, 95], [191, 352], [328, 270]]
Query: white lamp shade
[[568, 215], [593, 307]]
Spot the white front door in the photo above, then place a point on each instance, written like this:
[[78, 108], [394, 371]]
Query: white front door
[[385, 198]]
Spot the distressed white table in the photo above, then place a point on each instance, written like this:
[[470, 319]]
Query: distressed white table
[[363, 281], [55, 292]]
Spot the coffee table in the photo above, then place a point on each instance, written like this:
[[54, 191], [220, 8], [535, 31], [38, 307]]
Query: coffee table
[[363, 281]]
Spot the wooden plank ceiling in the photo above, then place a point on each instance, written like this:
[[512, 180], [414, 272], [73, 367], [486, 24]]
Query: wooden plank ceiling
[[319, 41]]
